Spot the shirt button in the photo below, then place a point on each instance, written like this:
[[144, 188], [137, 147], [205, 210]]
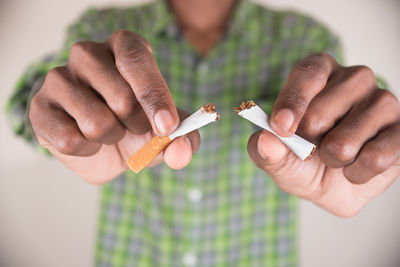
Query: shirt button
[[189, 259], [195, 195]]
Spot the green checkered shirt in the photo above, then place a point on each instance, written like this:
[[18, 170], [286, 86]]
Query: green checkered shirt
[[220, 210]]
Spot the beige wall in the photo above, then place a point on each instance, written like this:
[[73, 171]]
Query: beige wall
[[48, 215]]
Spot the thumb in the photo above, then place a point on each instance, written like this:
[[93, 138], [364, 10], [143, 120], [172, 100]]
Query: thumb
[[289, 172]]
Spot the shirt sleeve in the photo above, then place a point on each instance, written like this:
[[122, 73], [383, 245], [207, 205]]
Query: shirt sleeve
[[299, 36], [296, 36], [314, 37], [31, 80]]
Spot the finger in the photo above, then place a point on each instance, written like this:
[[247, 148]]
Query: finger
[[305, 81], [342, 144], [330, 105], [55, 128], [94, 64], [179, 153], [376, 156], [95, 120], [266, 150], [137, 66], [291, 174]]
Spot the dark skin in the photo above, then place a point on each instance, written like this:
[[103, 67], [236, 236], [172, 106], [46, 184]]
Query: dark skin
[[355, 125], [94, 112], [203, 22]]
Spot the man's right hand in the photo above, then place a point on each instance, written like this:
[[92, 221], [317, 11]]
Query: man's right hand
[[103, 105]]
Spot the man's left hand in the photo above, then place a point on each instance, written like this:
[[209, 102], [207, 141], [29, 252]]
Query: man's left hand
[[354, 123]]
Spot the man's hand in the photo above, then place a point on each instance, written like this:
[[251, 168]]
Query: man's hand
[[355, 124], [109, 99]]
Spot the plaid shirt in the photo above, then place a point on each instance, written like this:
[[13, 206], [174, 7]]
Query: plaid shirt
[[220, 210]]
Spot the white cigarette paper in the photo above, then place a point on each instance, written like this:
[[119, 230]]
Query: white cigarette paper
[[156, 145], [301, 147], [195, 121]]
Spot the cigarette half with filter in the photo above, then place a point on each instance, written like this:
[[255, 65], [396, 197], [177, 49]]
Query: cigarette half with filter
[[250, 111], [205, 115]]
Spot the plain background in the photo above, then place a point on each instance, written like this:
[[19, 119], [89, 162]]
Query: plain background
[[48, 215]]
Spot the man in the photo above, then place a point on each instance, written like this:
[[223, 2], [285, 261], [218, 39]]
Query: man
[[94, 104]]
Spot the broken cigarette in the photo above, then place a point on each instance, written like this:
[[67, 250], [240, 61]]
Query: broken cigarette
[[205, 115], [250, 111]]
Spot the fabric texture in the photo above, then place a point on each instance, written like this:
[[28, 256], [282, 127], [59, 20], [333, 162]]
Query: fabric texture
[[220, 210]]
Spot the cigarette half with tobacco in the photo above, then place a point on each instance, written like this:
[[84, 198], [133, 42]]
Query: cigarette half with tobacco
[[250, 111], [139, 160]]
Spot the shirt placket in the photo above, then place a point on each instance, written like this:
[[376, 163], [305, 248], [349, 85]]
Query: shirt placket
[[195, 190]]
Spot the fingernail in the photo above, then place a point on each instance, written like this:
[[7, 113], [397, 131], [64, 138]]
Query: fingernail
[[261, 154], [187, 140], [164, 121], [284, 119], [260, 150]]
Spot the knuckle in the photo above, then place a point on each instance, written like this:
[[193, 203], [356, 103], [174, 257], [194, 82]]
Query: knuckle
[[386, 99], [364, 73], [294, 99], [341, 150], [121, 34], [106, 71], [321, 56], [34, 107], [57, 80], [135, 52], [140, 39], [82, 48], [34, 110], [124, 106], [153, 96], [313, 124], [312, 67], [38, 108], [94, 127], [35, 102], [56, 74], [97, 128], [134, 58], [68, 144], [89, 55], [372, 158], [132, 37]]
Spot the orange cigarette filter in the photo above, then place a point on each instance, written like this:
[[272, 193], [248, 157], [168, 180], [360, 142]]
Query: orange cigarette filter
[[138, 161], [147, 153]]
